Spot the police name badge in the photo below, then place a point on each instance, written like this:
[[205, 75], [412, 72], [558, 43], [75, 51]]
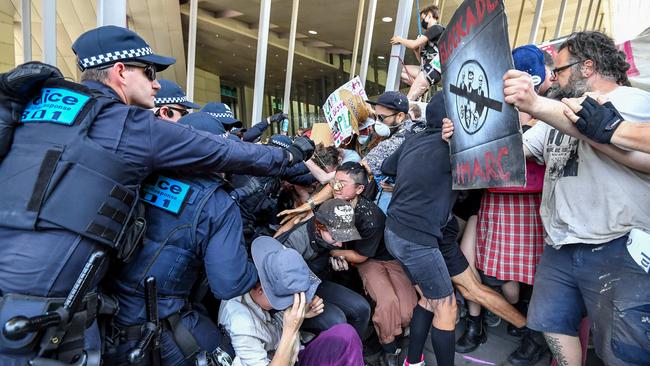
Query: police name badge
[[638, 245], [166, 193], [55, 105]]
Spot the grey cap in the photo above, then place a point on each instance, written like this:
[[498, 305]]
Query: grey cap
[[282, 272], [338, 216]]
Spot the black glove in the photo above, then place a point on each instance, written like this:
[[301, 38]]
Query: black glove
[[302, 149], [25, 80], [278, 117], [598, 122]]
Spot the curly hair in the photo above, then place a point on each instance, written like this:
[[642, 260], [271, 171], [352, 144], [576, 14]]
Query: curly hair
[[599, 48]]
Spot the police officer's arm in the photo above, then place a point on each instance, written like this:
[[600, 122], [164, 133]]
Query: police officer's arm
[[298, 174], [177, 147], [229, 271], [255, 132]]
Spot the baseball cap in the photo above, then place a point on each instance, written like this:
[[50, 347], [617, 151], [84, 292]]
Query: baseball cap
[[109, 44], [282, 272], [204, 122], [171, 93], [392, 100], [338, 216], [223, 113], [530, 59]]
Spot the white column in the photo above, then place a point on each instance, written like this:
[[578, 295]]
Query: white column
[[367, 41], [292, 46], [26, 26], [260, 67], [191, 49], [357, 37], [111, 12], [560, 20], [402, 21], [49, 32], [536, 19], [575, 20]]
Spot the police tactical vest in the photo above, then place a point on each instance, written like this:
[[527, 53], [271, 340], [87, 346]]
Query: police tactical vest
[[55, 176], [170, 251]]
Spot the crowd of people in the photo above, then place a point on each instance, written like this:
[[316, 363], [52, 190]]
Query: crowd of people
[[138, 227]]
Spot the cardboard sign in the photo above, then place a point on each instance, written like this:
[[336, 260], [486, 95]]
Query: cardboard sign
[[486, 150], [321, 134], [345, 110]]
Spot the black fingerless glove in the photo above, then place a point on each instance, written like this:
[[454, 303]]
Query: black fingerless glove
[[598, 122]]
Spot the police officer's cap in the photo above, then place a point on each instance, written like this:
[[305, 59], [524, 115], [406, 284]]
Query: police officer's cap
[[204, 122], [171, 93], [110, 44], [223, 113]]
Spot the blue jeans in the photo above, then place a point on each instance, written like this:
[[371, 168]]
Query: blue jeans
[[342, 305], [603, 282], [424, 265]]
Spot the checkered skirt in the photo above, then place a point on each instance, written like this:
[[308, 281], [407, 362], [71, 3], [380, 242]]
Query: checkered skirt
[[510, 236]]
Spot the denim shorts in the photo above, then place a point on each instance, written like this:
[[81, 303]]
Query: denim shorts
[[424, 265], [603, 282]]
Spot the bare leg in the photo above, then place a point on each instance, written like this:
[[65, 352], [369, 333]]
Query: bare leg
[[511, 291], [566, 349], [419, 87], [468, 247], [473, 290]]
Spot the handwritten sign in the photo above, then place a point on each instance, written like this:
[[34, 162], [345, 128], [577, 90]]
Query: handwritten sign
[[345, 109]]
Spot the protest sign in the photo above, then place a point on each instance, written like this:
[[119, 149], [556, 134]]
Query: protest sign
[[345, 110], [486, 150]]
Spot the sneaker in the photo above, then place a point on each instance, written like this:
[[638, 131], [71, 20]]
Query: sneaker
[[491, 319], [421, 363]]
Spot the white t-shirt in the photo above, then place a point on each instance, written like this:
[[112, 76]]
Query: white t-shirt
[[587, 196]]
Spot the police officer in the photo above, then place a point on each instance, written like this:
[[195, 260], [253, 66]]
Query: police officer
[[71, 181], [171, 101], [195, 236], [224, 114], [260, 198]]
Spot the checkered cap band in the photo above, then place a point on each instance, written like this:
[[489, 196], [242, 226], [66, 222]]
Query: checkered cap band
[[170, 100], [109, 57], [221, 115], [280, 144]]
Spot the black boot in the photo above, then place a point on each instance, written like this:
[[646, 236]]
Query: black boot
[[516, 332], [532, 348], [473, 337]]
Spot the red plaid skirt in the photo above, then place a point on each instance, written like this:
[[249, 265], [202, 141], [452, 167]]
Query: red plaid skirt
[[510, 236]]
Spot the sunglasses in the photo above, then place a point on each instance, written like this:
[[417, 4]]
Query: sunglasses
[[183, 112], [381, 117], [556, 71], [149, 69]]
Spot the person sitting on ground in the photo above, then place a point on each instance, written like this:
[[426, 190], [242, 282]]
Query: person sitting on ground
[[426, 51], [171, 101], [332, 225], [264, 324], [383, 277]]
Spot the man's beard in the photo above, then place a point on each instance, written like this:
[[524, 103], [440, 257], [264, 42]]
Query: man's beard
[[575, 88]]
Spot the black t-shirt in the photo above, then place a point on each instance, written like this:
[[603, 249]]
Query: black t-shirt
[[430, 50], [370, 221]]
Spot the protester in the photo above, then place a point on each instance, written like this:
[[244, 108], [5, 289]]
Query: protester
[[171, 101], [262, 336], [428, 73], [606, 283], [383, 278], [332, 225]]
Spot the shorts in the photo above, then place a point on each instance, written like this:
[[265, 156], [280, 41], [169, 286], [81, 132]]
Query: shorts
[[433, 76], [469, 204], [423, 264], [603, 282], [454, 258]]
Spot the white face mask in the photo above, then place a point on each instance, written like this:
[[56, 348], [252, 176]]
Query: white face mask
[[381, 129], [363, 139]]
